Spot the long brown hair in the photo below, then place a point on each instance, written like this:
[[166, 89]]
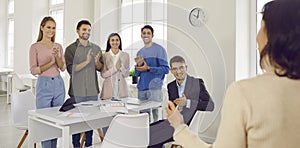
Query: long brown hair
[[43, 23], [283, 32]]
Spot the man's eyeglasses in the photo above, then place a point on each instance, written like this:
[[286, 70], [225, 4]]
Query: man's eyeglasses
[[181, 68]]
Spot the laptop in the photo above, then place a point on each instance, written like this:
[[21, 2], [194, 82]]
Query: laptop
[[68, 105]]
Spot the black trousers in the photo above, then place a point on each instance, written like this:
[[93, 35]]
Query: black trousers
[[160, 133]]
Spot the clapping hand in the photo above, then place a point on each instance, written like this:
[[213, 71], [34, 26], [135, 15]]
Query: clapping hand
[[89, 56], [54, 55], [180, 102], [118, 65], [97, 57]]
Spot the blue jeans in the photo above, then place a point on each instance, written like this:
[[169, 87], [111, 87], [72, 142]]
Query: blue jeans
[[152, 95], [88, 134], [50, 92]]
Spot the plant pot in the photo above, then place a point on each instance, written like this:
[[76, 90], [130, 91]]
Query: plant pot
[[134, 79]]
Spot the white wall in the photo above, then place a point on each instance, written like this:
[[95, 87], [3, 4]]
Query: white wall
[[106, 20], [196, 45], [3, 30], [76, 10], [26, 30]]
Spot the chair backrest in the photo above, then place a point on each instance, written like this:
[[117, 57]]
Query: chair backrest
[[21, 103], [194, 125], [128, 131], [18, 83]]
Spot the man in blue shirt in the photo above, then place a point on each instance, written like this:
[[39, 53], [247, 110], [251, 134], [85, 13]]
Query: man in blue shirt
[[151, 67]]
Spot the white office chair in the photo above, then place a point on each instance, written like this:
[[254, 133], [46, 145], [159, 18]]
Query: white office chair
[[18, 83], [128, 131], [21, 103]]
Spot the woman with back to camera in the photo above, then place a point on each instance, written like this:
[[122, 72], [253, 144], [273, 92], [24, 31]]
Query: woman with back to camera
[[261, 112], [116, 69], [47, 60]]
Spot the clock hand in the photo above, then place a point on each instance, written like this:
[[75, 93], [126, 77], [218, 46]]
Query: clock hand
[[197, 16]]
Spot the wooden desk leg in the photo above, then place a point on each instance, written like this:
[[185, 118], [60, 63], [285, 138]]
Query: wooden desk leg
[[101, 135], [82, 137]]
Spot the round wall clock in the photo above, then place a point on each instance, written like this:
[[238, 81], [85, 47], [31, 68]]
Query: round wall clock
[[197, 17]]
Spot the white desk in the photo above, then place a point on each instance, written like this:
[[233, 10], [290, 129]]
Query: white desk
[[33, 80], [29, 77], [6, 72], [49, 123]]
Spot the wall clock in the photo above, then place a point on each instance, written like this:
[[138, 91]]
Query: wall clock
[[197, 17]]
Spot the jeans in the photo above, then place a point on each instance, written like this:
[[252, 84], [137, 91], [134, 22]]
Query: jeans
[[88, 134], [50, 93], [151, 95]]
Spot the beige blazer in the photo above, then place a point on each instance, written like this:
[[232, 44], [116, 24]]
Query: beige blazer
[[261, 112], [110, 74]]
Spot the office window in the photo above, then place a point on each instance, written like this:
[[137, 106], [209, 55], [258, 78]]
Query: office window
[[137, 13], [259, 6], [55, 2], [11, 6], [9, 58], [56, 10]]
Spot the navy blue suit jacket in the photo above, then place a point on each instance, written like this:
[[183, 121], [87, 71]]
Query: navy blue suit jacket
[[195, 90]]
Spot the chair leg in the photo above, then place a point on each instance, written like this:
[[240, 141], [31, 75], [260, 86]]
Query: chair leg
[[23, 139], [82, 137], [101, 135]]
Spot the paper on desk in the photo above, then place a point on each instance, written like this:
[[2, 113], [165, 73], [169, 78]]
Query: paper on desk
[[114, 108], [73, 115]]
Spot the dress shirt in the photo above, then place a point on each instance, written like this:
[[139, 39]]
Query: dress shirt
[[115, 58], [180, 89]]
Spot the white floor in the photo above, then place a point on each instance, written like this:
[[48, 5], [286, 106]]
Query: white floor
[[10, 136]]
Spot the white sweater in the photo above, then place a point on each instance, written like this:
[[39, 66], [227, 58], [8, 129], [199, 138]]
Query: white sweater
[[261, 112]]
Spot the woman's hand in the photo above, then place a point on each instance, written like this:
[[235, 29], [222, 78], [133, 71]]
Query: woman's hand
[[97, 57], [118, 65], [173, 115]]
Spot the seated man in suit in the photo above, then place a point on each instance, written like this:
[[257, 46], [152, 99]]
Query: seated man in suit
[[188, 94]]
